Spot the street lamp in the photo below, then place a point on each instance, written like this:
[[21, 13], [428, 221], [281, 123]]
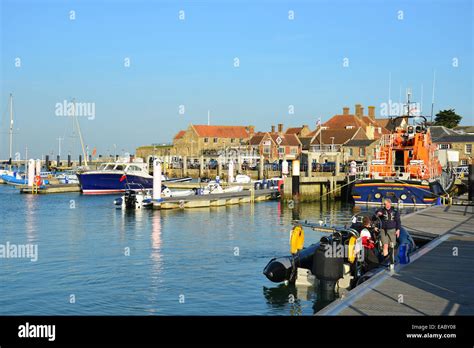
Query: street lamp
[[332, 143]]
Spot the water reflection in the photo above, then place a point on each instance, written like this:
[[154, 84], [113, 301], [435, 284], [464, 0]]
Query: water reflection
[[289, 298], [156, 241], [30, 218]]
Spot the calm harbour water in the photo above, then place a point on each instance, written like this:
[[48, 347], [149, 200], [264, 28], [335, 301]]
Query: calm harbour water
[[192, 262]]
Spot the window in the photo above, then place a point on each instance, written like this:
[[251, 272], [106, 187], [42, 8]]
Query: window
[[468, 148], [349, 127], [293, 151], [206, 140], [215, 140], [281, 150], [266, 149], [119, 167], [232, 140], [361, 151], [133, 168], [351, 153], [464, 162], [443, 146]]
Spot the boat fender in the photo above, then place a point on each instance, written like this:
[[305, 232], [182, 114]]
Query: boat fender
[[296, 239], [351, 252]]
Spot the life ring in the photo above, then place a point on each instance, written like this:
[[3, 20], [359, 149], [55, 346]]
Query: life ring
[[296, 239], [38, 180]]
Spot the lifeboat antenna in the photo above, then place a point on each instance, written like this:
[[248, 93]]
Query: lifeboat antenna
[[433, 96]]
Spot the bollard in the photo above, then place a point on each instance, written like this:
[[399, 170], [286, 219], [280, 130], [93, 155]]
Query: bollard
[[471, 183], [156, 180], [31, 172], [295, 183]]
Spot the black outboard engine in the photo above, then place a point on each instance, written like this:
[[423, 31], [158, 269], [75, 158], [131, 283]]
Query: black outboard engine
[[328, 265], [130, 199]]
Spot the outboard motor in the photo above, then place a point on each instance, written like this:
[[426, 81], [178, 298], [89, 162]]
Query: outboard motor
[[328, 267], [130, 199]]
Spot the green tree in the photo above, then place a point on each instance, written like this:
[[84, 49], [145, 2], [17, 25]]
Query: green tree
[[447, 118]]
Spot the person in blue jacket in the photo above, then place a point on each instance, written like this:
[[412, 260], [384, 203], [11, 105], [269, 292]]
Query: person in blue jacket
[[391, 225]]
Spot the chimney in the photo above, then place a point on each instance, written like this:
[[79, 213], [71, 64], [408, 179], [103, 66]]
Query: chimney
[[251, 130], [280, 127], [372, 112], [361, 111], [305, 126], [345, 111], [357, 110], [273, 129]]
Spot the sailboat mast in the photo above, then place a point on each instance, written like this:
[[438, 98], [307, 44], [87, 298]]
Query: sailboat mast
[[11, 127], [80, 135]]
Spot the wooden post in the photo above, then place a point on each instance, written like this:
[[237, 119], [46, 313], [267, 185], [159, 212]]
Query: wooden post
[[260, 168], [201, 166], [471, 183], [309, 167], [219, 167], [185, 166], [295, 183]]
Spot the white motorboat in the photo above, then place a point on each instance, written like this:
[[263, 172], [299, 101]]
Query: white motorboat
[[214, 187], [166, 192], [243, 179], [114, 177]]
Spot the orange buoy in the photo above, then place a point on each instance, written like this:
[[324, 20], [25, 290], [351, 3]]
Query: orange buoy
[[38, 180]]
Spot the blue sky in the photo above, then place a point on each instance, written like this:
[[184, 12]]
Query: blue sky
[[174, 62]]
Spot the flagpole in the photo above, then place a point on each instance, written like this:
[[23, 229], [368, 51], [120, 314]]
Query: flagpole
[[320, 134]]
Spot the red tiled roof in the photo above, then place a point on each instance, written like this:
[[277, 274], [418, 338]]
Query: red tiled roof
[[341, 136], [341, 121], [179, 135], [257, 138], [286, 139], [221, 131], [294, 130]]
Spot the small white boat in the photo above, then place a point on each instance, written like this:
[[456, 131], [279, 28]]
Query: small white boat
[[214, 187], [135, 197], [68, 177], [243, 179], [166, 192]]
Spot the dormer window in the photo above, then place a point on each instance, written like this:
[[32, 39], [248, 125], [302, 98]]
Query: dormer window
[[349, 127]]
